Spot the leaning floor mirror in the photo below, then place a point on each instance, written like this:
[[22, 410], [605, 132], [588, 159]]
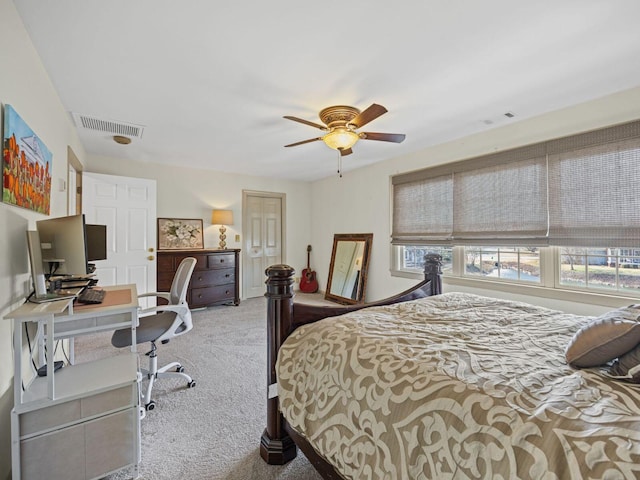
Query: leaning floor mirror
[[349, 266]]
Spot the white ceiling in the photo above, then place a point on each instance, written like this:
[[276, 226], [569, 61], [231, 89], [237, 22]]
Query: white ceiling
[[210, 81]]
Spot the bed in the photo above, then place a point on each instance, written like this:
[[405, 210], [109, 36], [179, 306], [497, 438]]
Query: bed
[[432, 385]]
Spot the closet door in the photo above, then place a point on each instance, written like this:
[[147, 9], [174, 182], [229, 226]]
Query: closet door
[[263, 238]]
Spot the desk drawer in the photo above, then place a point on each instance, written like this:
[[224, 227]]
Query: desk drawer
[[213, 277], [49, 418], [84, 450], [59, 455], [109, 401], [55, 416]]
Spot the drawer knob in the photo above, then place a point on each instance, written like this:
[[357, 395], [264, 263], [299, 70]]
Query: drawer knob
[[227, 292], [199, 295], [227, 275], [222, 260]]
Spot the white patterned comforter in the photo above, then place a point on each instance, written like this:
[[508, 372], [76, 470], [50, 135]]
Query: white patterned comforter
[[456, 386]]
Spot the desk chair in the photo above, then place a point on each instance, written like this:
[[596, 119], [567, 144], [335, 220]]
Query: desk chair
[[161, 324]]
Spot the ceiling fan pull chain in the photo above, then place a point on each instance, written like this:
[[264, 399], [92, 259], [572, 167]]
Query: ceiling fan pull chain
[[339, 163]]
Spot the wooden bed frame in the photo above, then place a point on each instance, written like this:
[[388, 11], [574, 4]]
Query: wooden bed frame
[[278, 442]]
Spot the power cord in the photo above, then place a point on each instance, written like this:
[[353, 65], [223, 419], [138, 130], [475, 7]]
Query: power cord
[[26, 330]]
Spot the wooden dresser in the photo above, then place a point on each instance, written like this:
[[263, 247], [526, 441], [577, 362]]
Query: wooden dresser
[[215, 280]]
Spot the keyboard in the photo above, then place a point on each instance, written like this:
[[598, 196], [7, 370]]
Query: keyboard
[[91, 295]]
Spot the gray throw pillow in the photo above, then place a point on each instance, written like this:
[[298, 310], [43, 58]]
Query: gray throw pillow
[[605, 338], [622, 365]]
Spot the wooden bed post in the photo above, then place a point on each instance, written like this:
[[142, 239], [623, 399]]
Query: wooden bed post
[[433, 272], [276, 446]]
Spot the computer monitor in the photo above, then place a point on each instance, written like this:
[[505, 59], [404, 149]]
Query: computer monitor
[[35, 261], [63, 244], [96, 236]]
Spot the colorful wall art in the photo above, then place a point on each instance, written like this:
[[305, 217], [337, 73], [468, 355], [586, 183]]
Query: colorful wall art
[[26, 165]]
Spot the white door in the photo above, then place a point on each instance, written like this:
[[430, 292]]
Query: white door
[[263, 238], [127, 206]]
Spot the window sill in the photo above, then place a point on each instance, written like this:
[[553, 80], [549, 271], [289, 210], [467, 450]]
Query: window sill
[[591, 298], [575, 296]]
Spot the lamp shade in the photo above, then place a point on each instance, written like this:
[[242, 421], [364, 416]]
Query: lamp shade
[[222, 217], [341, 138]]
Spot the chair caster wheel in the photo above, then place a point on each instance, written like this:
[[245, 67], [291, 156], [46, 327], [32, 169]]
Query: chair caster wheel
[[180, 369], [191, 384], [150, 406]]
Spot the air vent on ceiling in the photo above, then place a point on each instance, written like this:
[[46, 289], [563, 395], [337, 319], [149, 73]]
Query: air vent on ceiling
[[112, 127]]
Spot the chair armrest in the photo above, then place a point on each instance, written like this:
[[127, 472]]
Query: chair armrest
[[179, 309], [165, 295]]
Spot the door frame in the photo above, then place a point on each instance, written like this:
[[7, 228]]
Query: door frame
[[246, 227], [74, 185]]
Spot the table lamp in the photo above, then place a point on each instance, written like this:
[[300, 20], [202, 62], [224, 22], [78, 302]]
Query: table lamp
[[222, 218]]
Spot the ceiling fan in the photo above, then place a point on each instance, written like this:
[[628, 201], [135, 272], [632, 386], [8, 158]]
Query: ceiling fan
[[341, 123]]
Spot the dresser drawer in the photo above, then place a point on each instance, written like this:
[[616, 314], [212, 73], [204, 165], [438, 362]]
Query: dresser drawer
[[201, 260], [213, 277], [208, 295], [164, 280], [165, 264], [221, 260]]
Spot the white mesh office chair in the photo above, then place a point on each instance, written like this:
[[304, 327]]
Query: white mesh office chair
[[161, 324]]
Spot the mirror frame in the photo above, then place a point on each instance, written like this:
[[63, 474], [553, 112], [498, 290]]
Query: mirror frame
[[364, 270]]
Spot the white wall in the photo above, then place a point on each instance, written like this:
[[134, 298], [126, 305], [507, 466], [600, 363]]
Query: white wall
[[360, 201], [25, 85]]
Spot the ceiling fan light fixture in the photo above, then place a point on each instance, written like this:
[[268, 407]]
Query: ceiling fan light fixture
[[341, 138]]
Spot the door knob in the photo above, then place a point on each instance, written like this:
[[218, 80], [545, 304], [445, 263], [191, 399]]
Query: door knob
[[150, 249], [150, 257]]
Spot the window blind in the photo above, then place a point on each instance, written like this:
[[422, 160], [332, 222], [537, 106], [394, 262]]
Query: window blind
[[501, 205], [594, 185], [423, 211], [580, 190]]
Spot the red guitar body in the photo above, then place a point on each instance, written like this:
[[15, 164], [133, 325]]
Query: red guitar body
[[308, 282]]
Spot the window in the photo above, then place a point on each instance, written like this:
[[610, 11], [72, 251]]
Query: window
[[412, 257], [507, 263], [553, 203], [612, 269]]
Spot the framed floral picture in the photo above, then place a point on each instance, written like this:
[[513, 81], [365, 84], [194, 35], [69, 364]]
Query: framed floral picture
[[180, 233]]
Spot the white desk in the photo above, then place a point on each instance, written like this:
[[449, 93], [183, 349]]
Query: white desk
[[58, 421]]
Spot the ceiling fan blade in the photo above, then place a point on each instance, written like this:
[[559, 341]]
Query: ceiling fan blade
[[303, 142], [345, 151], [371, 113], [384, 137], [306, 122]]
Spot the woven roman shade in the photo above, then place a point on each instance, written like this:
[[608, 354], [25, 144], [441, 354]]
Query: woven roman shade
[[582, 190], [594, 185], [423, 211]]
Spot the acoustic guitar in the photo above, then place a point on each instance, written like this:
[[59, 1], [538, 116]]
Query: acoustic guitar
[[308, 282]]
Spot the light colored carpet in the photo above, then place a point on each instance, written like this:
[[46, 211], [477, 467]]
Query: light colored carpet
[[211, 431]]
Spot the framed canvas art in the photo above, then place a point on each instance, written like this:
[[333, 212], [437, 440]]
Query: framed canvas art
[[180, 233], [26, 165]]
